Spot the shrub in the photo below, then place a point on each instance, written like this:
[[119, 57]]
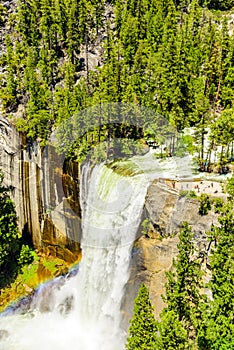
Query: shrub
[[188, 194], [205, 204], [218, 205], [26, 256], [145, 227]]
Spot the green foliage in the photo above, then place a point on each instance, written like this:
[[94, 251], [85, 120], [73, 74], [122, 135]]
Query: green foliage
[[229, 187], [47, 32], [173, 334], [205, 204], [190, 320], [223, 128], [13, 253], [142, 330], [185, 146], [145, 227], [3, 11], [9, 235], [27, 255], [218, 325], [184, 300], [173, 57], [187, 193], [222, 5], [218, 205], [30, 276]]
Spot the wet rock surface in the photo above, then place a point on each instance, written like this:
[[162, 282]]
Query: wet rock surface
[[45, 191], [3, 334]]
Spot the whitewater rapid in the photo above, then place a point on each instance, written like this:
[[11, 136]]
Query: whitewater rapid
[[111, 214]]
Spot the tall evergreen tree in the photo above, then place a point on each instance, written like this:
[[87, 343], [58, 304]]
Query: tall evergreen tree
[[9, 236], [142, 330], [218, 327], [183, 297]]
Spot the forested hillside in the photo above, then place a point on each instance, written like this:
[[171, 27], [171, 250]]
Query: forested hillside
[[176, 58]]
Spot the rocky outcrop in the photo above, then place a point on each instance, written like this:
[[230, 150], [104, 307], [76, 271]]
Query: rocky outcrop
[[45, 190], [166, 210], [153, 253]]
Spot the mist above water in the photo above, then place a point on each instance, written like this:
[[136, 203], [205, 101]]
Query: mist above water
[[84, 313]]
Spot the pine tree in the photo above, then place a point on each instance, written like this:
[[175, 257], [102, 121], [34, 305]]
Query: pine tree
[[218, 325], [9, 235], [223, 134], [227, 94], [173, 334], [142, 330], [183, 298]]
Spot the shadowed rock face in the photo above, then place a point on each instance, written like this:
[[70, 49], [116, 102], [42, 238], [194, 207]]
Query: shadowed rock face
[[45, 192]]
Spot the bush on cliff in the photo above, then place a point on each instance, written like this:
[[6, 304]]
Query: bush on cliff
[[205, 204]]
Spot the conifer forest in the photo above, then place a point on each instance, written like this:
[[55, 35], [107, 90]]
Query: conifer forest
[[170, 59]]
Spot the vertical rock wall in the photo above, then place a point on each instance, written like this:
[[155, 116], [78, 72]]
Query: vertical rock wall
[[153, 254], [45, 191]]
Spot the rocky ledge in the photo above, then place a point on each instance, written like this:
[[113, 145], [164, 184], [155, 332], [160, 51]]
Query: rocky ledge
[[153, 253]]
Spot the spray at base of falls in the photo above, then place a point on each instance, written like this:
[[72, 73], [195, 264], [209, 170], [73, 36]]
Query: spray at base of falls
[[111, 213]]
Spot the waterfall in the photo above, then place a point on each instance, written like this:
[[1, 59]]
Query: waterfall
[[84, 313]]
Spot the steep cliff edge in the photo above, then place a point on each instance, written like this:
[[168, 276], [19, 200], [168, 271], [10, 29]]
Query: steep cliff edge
[[45, 191], [167, 209], [153, 254]]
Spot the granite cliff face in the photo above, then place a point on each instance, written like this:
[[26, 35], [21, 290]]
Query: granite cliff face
[[153, 254], [45, 191], [167, 210]]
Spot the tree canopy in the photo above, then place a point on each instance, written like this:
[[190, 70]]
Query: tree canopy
[[174, 57], [142, 330]]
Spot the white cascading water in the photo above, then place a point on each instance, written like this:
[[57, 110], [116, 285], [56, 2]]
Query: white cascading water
[[111, 213]]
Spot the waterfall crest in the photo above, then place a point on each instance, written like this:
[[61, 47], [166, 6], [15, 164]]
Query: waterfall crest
[[111, 213]]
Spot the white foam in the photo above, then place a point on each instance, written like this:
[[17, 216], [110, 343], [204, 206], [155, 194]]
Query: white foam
[[111, 213]]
